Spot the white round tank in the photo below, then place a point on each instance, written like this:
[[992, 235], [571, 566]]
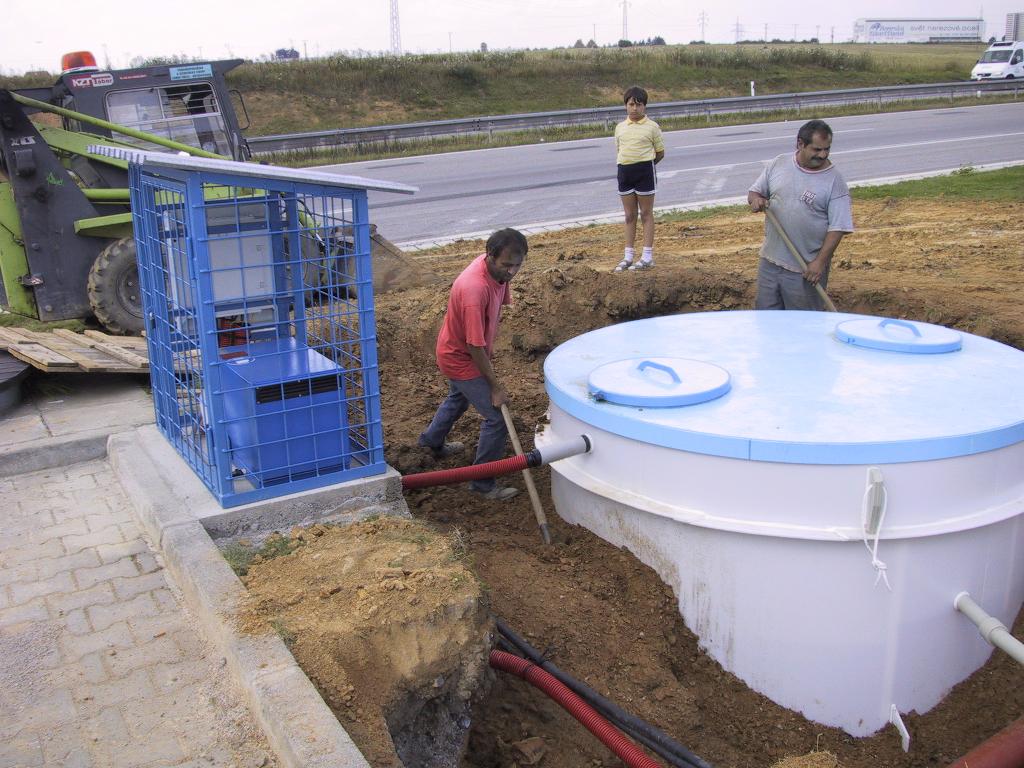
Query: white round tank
[[817, 488]]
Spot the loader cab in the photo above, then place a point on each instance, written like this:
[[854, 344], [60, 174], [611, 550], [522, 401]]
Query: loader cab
[[187, 103]]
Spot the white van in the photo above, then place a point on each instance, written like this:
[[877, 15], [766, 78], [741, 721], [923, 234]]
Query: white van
[[1003, 59]]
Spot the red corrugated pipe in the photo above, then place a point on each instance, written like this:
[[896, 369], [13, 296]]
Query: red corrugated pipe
[[530, 459], [1004, 750], [611, 737], [465, 474]]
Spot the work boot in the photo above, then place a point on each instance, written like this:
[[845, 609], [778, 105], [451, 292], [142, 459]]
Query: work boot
[[499, 493], [448, 449]]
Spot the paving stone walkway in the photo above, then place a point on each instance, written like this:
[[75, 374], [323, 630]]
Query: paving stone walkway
[[100, 663]]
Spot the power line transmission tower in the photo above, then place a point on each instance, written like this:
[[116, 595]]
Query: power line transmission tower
[[625, 26], [739, 29], [702, 20], [396, 31]]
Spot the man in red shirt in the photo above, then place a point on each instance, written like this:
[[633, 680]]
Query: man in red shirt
[[464, 349]]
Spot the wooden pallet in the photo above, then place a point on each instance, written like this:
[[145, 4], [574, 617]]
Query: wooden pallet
[[64, 351]]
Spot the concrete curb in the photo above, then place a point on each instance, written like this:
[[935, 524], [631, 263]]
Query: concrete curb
[[36, 455], [299, 726]]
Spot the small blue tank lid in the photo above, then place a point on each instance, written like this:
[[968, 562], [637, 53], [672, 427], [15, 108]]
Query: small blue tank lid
[[796, 395], [658, 382], [895, 335]]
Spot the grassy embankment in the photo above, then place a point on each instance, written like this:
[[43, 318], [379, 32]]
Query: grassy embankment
[[342, 92], [336, 93]]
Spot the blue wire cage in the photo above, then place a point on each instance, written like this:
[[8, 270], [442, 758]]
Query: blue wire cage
[[258, 301]]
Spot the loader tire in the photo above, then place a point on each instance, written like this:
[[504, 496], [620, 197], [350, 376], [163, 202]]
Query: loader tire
[[114, 291]]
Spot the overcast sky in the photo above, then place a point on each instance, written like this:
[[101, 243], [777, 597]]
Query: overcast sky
[[34, 35]]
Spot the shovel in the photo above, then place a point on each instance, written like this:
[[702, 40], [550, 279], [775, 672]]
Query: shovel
[[538, 510], [801, 262]]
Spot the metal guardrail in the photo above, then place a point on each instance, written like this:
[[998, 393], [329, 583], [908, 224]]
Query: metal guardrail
[[608, 116]]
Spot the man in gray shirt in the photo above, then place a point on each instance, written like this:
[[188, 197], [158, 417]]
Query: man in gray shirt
[[812, 202]]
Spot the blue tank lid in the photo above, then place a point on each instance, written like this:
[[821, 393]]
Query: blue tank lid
[[798, 396], [892, 335], [658, 382]]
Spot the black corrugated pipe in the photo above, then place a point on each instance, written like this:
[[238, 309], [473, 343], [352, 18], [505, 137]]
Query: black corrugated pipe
[[588, 717], [651, 737], [669, 757]]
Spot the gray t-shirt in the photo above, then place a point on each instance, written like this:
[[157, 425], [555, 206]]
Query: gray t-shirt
[[807, 203]]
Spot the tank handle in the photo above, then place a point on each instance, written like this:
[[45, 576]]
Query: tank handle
[[659, 366], [901, 323]]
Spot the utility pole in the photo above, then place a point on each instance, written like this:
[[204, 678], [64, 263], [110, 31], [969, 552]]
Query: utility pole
[[594, 34], [833, 38], [794, 33], [817, 32], [449, 42], [702, 20], [305, 50], [625, 26], [396, 33], [766, 32]]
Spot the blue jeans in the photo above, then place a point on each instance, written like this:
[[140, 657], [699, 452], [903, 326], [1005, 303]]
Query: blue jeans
[[462, 394]]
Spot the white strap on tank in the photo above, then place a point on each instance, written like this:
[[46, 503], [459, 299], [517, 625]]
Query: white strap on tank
[[875, 501]]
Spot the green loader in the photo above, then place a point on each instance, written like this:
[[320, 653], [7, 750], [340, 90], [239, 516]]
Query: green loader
[[66, 244]]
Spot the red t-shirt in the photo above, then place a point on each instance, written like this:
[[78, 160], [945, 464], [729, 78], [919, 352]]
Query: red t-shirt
[[474, 311]]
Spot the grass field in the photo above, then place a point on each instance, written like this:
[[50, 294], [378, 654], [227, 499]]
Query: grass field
[[342, 92], [1003, 186]]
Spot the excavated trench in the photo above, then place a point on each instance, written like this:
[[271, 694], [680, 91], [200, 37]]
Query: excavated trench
[[392, 619]]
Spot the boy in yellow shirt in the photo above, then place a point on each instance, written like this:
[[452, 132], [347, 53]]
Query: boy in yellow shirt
[[638, 147]]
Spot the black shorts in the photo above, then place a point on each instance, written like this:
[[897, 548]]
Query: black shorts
[[637, 178]]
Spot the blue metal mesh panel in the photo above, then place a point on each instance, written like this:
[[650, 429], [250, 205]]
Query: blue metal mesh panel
[[259, 307]]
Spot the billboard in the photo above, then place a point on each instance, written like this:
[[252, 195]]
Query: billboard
[[918, 30]]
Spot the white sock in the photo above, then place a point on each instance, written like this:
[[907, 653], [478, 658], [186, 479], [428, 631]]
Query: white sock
[[648, 255], [630, 255]]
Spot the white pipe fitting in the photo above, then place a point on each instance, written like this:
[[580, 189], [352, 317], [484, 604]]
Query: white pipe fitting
[[565, 449], [993, 630]]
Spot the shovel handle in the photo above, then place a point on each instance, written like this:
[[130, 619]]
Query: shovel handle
[[531, 489]]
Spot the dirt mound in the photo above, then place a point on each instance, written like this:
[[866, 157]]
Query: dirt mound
[[390, 623], [600, 614], [392, 268]]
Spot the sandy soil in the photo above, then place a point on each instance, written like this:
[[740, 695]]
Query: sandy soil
[[391, 625], [602, 615]]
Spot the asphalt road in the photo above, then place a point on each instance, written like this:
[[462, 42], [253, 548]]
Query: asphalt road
[[482, 190]]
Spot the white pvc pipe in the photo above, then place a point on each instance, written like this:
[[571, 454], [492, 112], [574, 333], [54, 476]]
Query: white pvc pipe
[[564, 449], [993, 630]]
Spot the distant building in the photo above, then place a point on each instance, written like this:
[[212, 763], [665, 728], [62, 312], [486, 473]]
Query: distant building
[[918, 30], [1014, 26], [284, 54]]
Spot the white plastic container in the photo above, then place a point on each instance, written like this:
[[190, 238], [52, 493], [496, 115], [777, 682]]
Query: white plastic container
[[757, 500]]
